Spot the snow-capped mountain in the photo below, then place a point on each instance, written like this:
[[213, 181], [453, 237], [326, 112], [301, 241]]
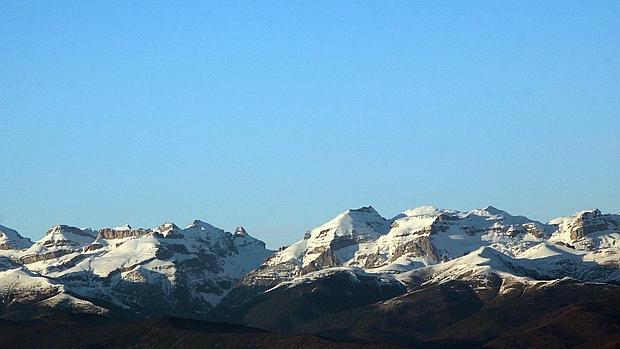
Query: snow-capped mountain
[[58, 241], [328, 245], [11, 240], [588, 230], [26, 294], [418, 237], [164, 270], [446, 265], [168, 270]]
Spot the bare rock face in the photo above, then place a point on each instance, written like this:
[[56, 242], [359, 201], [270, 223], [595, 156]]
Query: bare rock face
[[112, 233], [33, 258], [586, 223], [422, 246], [326, 259], [534, 230], [588, 230]]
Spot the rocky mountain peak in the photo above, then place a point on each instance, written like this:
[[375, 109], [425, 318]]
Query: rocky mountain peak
[[69, 230], [493, 210], [201, 225], [583, 227], [362, 221], [11, 240], [167, 228], [488, 211], [365, 209], [198, 266], [240, 231]]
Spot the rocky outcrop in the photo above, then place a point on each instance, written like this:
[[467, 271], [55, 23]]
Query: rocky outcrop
[[588, 230], [111, 233], [421, 246], [27, 259], [326, 259], [7, 246], [240, 231], [586, 223]]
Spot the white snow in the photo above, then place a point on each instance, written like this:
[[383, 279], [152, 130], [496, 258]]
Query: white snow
[[12, 239], [453, 242], [421, 243]]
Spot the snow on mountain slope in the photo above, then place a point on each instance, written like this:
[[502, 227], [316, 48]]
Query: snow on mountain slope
[[58, 241], [11, 240], [352, 272], [418, 237], [348, 228], [328, 245], [186, 272], [427, 236], [544, 261], [24, 293], [165, 269], [588, 230]]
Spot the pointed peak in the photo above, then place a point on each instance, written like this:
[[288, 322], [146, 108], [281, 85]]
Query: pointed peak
[[198, 223], [240, 231], [170, 225], [487, 211], [203, 226], [492, 210], [166, 227]]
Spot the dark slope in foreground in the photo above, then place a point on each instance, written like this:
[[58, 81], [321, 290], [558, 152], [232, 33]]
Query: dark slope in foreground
[[99, 332], [492, 311], [565, 315], [585, 325], [287, 309], [454, 314]]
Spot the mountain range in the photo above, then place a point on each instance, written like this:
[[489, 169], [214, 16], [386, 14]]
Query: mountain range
[[427, 277]]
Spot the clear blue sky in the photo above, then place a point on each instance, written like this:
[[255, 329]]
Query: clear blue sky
[[279, 115]]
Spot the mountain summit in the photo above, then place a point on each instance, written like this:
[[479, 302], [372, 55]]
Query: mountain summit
[[164, 270], [355, 259]]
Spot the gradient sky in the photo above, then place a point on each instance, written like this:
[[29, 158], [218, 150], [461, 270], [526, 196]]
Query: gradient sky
[[279, 115]]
